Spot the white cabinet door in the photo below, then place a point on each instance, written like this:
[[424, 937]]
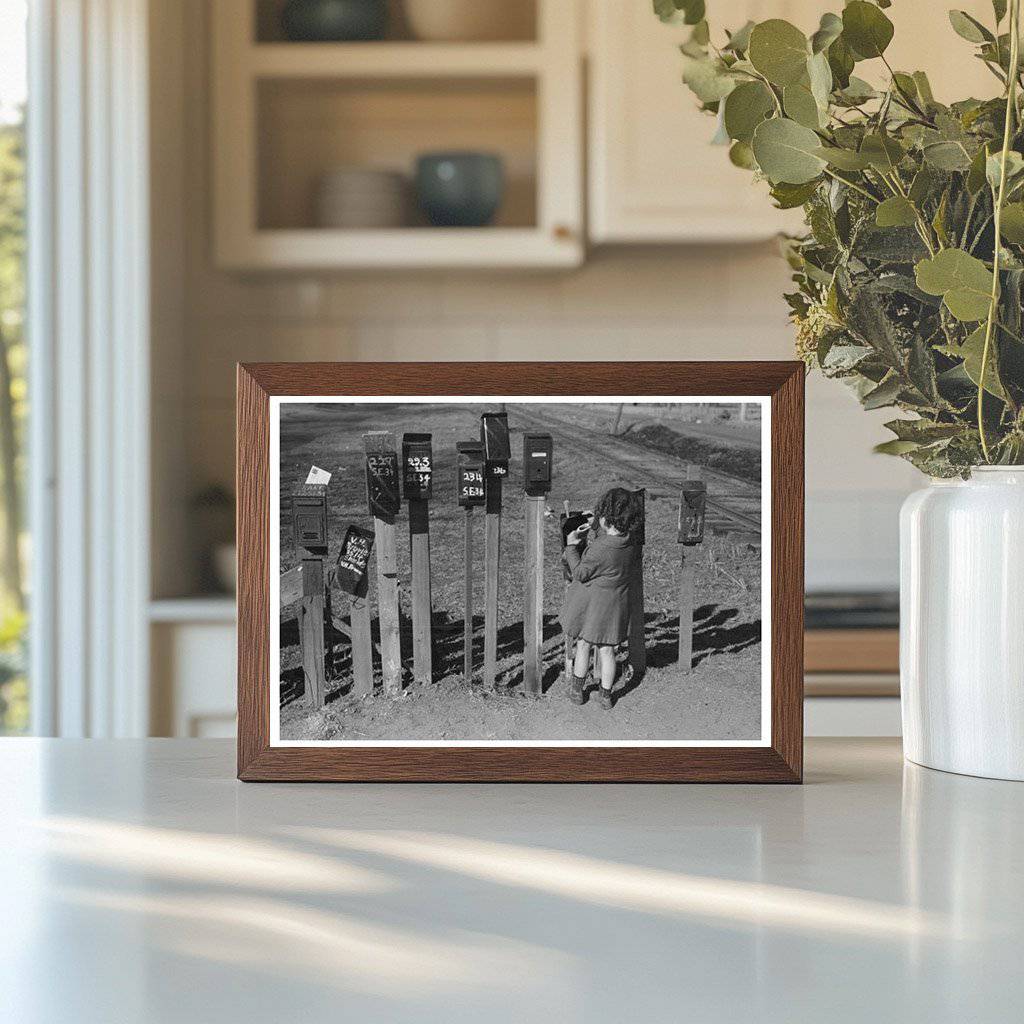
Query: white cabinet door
[[654, 177]]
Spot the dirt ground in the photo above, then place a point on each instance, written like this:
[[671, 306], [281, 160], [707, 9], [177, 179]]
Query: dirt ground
[[718, 699]]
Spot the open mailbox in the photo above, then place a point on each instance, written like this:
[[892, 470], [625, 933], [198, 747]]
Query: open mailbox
[[538, 459], [497, 445], [309, 517], [417, 467], [692, 504], [471, 487]]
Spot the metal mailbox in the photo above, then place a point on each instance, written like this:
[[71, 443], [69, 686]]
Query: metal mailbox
[[471, 486], [309, 517], [538, 459], [692, 503], [640, 505], [417, 467], [382, 493], [497, 446], [354, 560]]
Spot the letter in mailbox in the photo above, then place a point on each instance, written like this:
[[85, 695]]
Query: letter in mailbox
[[538, 456], [497, 446], [417, 466], [309, 517], [382, 496], [692, 502], [353, 560], [471, 473]]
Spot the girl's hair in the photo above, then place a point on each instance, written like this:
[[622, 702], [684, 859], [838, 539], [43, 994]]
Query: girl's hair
[[619, 508]]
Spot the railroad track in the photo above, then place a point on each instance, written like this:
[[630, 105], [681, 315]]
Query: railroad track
[[734, 503]]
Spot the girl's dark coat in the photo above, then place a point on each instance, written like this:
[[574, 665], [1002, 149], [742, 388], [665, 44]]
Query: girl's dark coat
[[596, 606]]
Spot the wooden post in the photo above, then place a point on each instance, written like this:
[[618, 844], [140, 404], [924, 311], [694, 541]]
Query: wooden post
[[387, 606], [686, 593], [467, 625], [637, 626], [492, 557], [419, 542], [533, 599], [362, 646], [311, 630]]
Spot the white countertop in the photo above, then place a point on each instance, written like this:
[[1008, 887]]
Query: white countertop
[[140, 882]]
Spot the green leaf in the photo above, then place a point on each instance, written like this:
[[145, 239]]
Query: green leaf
[[924, 88], [739, 41], [993, 167], [1012, 224], [895, 212], [969, 28], [788, 197], [971, 352], [885, 394], [866, 29], [895, 447], [787, 151], [963, 281], [779, 51], [707, 78], [923, 431], [741, 155], [976, 173], [999, 9], [883, 152], [819, 74], [745, 108], [801, 106], [947, 156], [922, 185], [840, 61], [689, 12], [844, 159], [829, 30]]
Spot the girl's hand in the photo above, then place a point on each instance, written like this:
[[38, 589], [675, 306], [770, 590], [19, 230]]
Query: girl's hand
[[576, 536]]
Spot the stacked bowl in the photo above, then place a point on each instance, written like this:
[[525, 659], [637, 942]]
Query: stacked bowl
[[362, 197]]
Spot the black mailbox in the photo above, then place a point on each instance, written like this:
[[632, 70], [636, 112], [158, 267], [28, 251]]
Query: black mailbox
[[354, 559], [497, 446], [417, 466], [382, 496], [692, 502], [309, 517], [538, 456], [472, 491]]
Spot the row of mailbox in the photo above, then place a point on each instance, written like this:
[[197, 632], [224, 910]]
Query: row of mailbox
[[478, 462]]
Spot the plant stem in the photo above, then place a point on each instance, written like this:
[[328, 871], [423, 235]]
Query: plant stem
[[853, 185], [1011, 108]]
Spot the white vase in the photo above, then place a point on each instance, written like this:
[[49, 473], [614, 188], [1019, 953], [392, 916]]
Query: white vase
[[962, 624]]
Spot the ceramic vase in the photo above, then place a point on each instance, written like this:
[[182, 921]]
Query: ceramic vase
[[962, 624]]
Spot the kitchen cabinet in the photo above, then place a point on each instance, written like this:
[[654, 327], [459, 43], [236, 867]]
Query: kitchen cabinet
[[286, 115], [654, 177]]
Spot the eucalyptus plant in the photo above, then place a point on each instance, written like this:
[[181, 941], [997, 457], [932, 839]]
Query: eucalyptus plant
[[910, 278]]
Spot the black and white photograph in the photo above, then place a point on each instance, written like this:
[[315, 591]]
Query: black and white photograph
[[502, 571]]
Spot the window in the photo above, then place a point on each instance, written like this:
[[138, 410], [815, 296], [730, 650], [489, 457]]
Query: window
[[14, 695]]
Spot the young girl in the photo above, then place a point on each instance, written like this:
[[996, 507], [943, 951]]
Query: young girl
[[596, 608]]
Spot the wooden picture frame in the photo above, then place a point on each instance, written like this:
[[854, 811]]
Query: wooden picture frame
[[780, 759]]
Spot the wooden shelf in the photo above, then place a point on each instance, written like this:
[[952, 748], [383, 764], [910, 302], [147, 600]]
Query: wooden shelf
[[319, 248], [393, 60], [211, 608], [852, 650]]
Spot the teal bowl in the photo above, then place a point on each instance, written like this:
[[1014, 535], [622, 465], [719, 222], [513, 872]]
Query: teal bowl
[[460, 189], [334, 21]]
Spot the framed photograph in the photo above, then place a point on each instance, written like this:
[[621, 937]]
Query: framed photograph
[[520, 571]]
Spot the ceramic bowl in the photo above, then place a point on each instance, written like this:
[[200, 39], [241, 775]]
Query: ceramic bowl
[[460, 189], [333, 21], [470, 20]]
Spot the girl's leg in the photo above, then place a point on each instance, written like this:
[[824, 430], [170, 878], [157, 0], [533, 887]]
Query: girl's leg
[[606, 660], [581, 665]]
